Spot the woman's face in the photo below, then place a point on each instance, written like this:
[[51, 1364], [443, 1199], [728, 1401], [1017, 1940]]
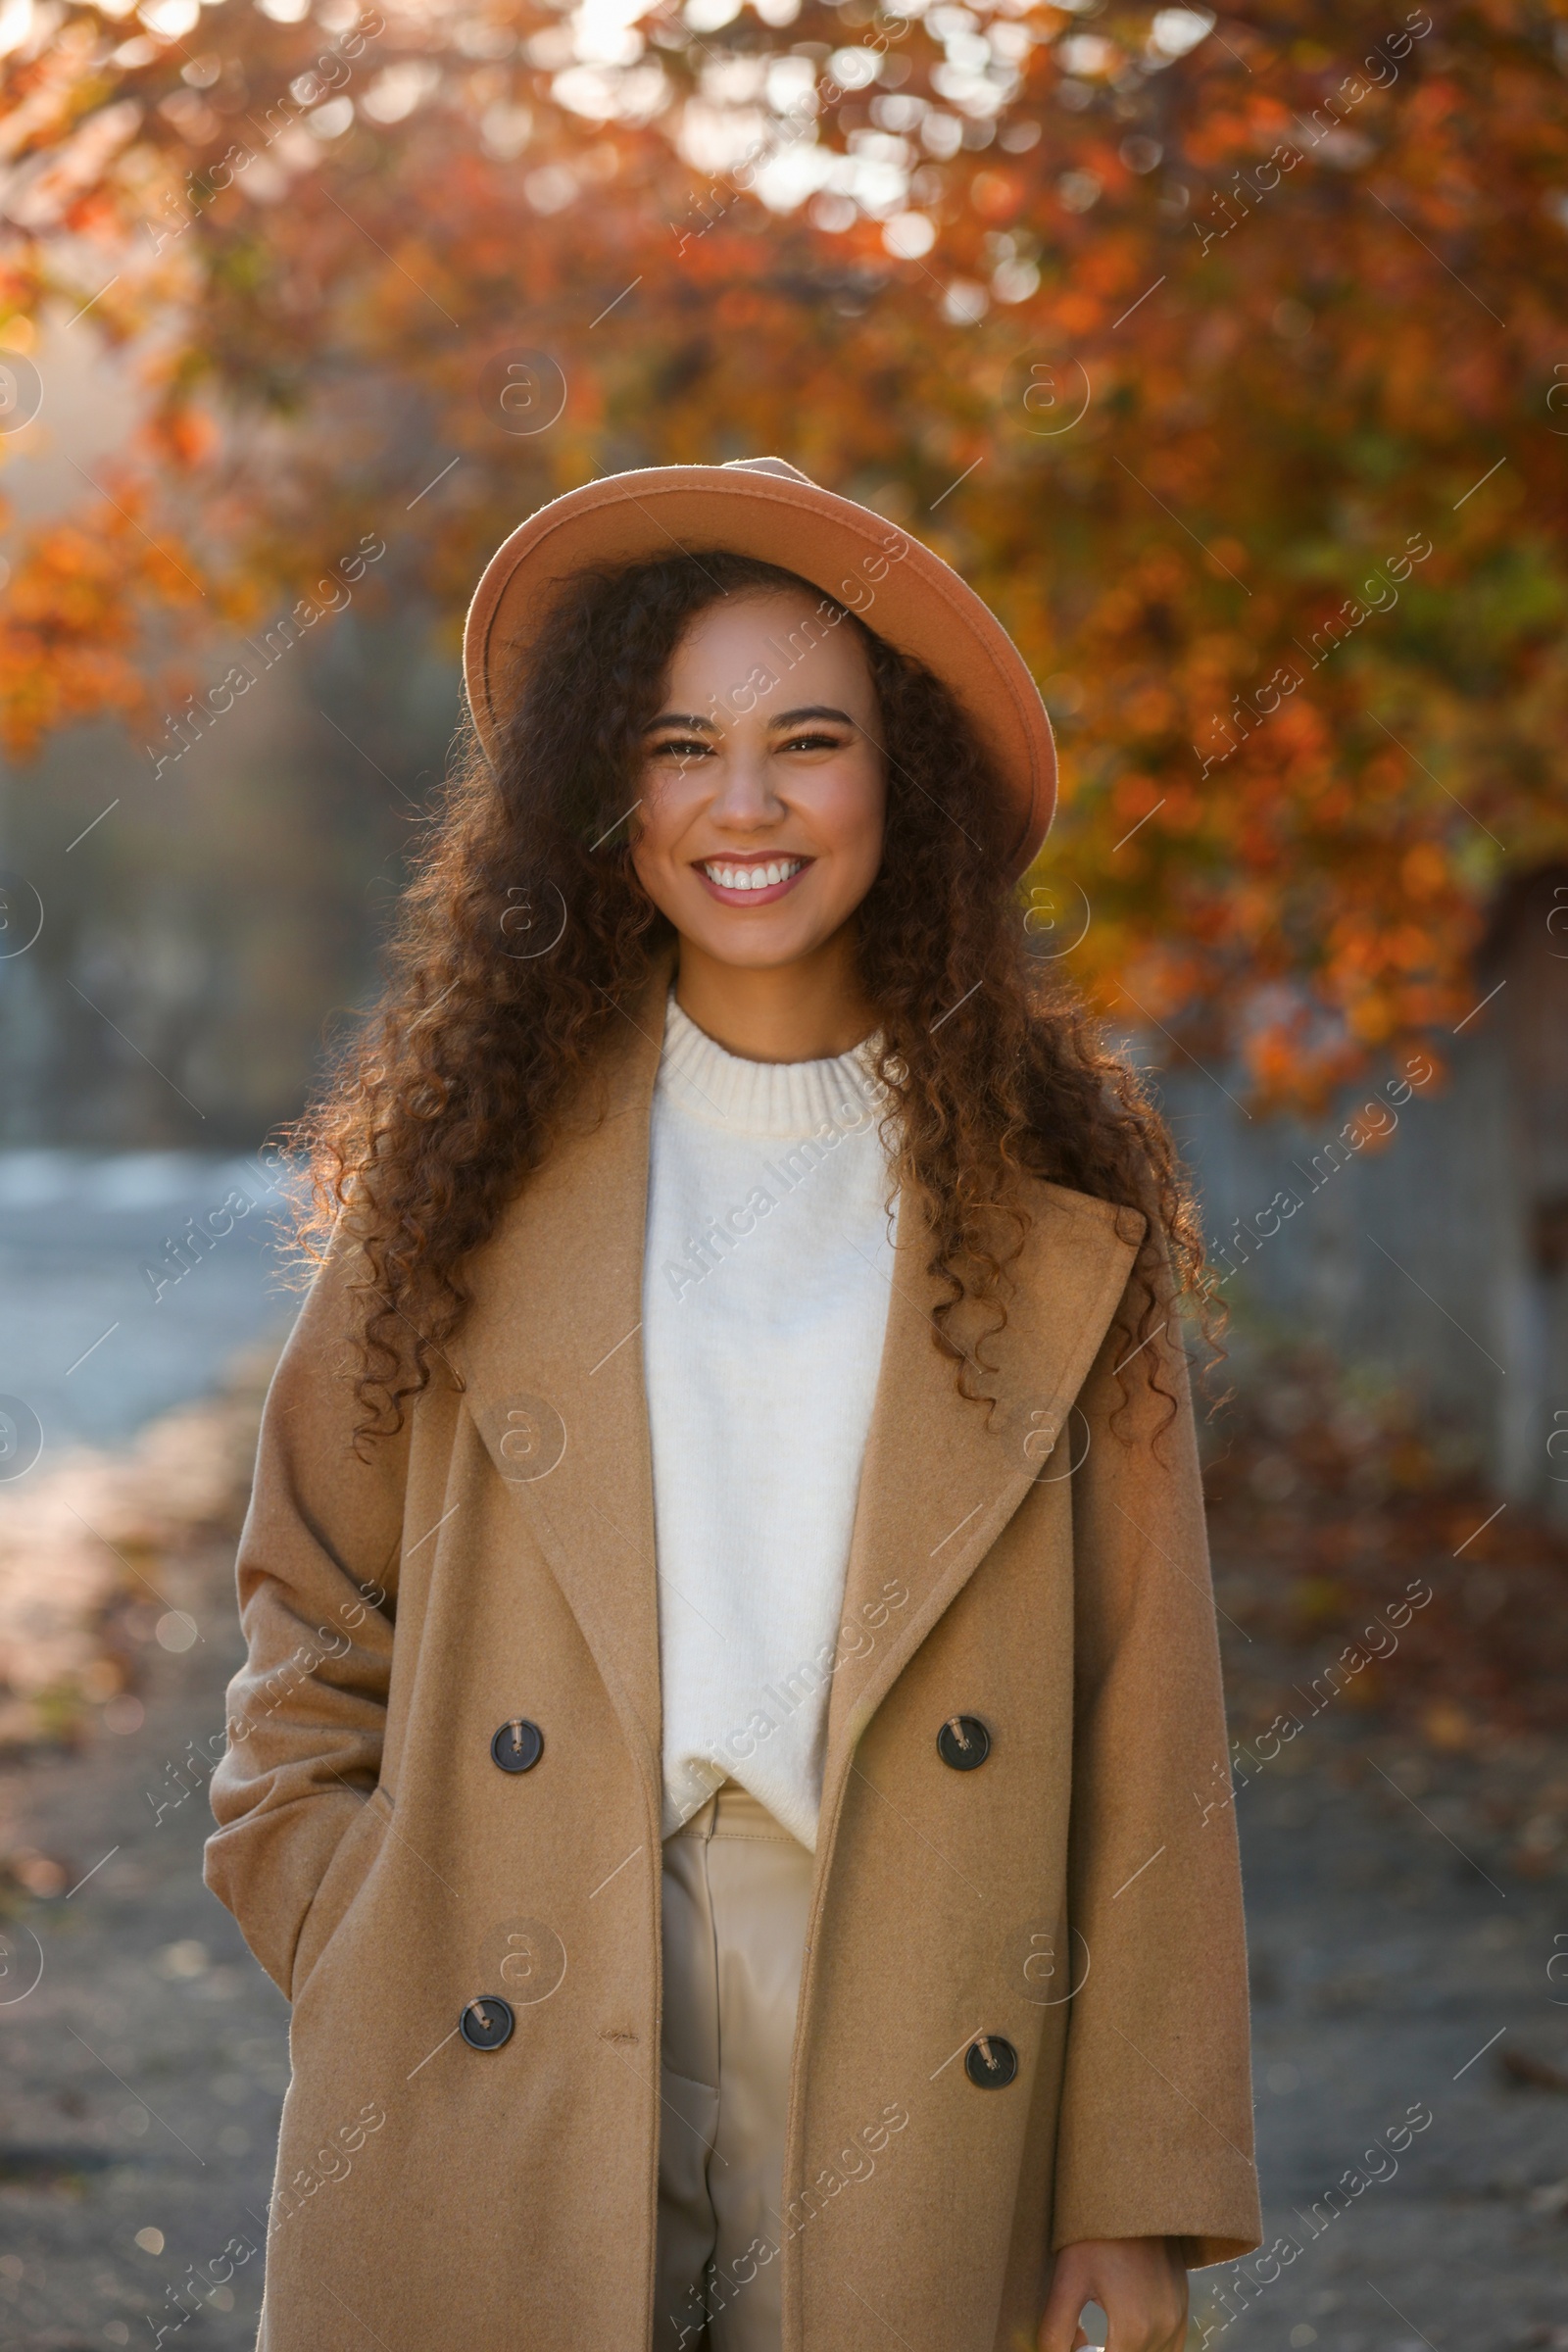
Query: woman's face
[[759, 830]]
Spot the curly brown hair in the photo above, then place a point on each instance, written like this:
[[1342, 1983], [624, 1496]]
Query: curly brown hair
[[447, 1100]]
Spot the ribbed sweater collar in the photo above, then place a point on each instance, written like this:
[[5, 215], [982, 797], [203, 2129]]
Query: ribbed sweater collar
[[773, 1099]]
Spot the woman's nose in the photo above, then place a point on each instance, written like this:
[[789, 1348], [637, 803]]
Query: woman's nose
[[745, 794]]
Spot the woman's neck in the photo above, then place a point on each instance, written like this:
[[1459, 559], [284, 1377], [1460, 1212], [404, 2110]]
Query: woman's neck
[[805, 1011]]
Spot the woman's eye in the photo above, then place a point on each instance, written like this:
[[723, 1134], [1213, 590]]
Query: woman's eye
[[679, 747], [813, 743]]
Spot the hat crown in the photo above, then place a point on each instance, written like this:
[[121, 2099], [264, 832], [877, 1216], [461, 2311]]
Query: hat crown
[[779, 466]]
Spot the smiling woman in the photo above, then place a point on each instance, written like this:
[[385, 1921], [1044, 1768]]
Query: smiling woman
[[704, 1291], [760, 828], [573, 819]]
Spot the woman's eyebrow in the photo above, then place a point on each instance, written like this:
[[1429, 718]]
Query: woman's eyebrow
[[792, 719], [682, 718]]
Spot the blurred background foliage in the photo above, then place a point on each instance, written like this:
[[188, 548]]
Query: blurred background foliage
[[1227, 360]]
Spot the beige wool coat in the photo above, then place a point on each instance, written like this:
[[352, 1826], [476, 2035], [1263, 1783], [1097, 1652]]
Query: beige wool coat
[[1077, 1896]]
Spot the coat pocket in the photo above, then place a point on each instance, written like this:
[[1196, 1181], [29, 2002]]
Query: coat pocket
[[352, 1861]]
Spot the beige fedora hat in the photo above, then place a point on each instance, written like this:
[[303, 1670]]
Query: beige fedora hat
[[762, 507]]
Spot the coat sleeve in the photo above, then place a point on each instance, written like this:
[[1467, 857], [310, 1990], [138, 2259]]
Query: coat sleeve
[[1155, 2128], [318, 1580]]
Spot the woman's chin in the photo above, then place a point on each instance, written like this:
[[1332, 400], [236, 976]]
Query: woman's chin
[[753, 937], [750, 950]]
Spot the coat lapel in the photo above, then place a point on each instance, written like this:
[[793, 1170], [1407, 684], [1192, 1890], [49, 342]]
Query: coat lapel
[[939, 1481], [550, 1354], [551, 1358]]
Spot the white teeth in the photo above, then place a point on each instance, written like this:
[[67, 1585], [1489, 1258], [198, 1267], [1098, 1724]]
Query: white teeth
[[753, 877]]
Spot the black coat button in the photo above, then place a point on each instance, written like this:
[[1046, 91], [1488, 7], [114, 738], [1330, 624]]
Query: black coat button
[[990, 2062], [963, 1742], [486, 2022], [519, 1746]]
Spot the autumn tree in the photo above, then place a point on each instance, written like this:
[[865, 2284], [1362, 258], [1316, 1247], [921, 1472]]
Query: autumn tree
[[1224, 358]]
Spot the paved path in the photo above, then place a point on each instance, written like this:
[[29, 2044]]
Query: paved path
[[1390, 1980], [141, 2082]]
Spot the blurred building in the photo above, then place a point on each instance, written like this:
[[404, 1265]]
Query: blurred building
[[1432, 1253]]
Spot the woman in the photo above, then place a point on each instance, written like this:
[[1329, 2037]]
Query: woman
[[725, 1765]]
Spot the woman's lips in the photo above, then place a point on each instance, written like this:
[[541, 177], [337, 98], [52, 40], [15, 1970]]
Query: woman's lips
[[758, 894]]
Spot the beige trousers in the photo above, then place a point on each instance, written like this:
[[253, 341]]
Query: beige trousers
[[736, 1887]]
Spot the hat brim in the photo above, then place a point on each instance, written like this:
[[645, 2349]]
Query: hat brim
[[902, 591]]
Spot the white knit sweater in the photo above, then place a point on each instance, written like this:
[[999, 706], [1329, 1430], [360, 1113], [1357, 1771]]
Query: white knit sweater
[[765, 1290]]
